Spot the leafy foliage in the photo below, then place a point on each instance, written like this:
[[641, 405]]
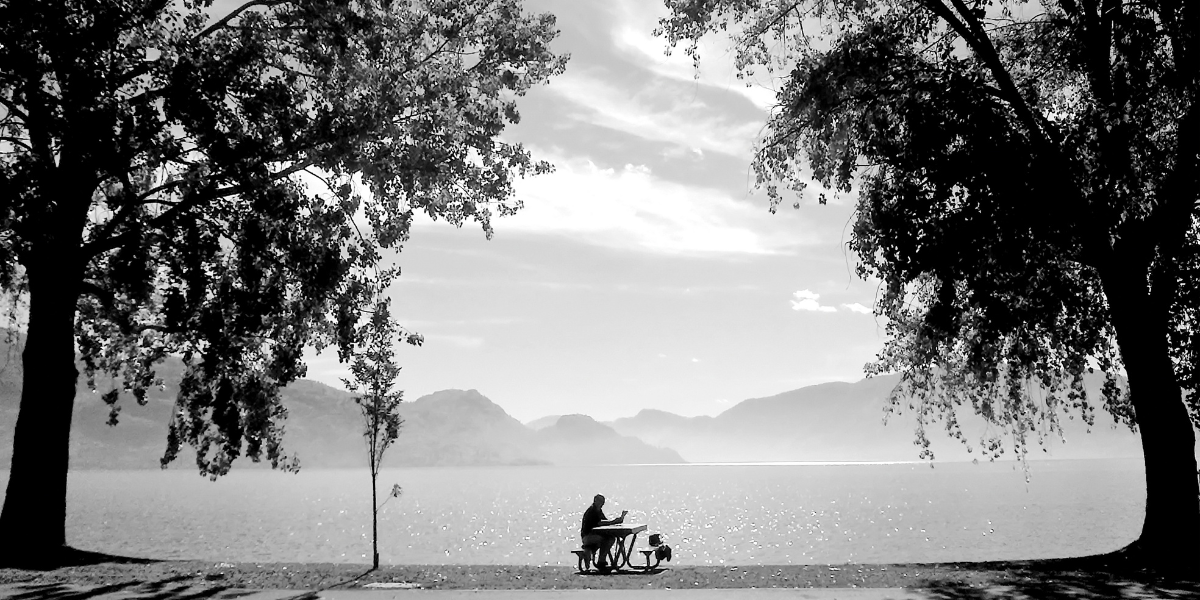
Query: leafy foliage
[[1018, 166], [373, 373], [223, 188]]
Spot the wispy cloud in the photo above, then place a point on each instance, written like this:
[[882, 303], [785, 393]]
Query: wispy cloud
[[631, 36], [468, 342], [809, 300], [691, 153], [662, 112], [427, 323], [630, 208]]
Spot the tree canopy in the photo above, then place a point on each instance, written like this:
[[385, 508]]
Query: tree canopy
[[1025, 178], [224, 185]]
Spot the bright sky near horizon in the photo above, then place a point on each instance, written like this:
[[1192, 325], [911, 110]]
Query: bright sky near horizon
[[643, 273]]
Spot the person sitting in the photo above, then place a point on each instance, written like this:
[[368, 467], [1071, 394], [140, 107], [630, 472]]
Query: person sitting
[[594, 517]]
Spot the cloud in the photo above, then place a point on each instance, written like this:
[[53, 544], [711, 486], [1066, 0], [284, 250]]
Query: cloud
[[632, 36], [691, 153], [858, 308], [469, 342], [662, 112], [695, 360], [807, 300], [414, 323], [631, 208]]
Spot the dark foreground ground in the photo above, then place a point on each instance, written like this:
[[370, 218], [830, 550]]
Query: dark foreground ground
[[1067, 578]]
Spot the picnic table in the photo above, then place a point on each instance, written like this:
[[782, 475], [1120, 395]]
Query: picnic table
[[620, 551]]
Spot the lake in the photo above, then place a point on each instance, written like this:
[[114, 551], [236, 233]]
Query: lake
[[709, 514]]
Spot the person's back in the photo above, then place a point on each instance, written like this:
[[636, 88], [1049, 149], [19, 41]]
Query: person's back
[[591, 519]]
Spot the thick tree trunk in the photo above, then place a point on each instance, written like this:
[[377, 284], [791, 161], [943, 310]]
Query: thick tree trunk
[[1170, 538], [33, 520]]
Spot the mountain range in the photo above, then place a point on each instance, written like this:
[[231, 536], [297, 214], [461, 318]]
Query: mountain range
[[837, 421], [324, 429], [830, 422]]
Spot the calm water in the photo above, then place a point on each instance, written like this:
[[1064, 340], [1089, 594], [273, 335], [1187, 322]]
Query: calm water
[[712, 514]]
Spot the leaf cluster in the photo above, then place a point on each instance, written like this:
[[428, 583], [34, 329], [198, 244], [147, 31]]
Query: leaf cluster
[[223, 187], [373, 372], [1014, 164]]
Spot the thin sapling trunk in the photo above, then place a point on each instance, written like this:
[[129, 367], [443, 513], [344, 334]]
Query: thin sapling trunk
[[374, 371]]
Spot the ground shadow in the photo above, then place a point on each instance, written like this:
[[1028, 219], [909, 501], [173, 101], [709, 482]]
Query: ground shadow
[[65, 557], [338, 583], [593, 573], [1059, 588], [174, 588], [1113, 575]]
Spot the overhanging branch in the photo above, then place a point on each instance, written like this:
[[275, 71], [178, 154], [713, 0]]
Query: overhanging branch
[[108, 243], [237, 11]]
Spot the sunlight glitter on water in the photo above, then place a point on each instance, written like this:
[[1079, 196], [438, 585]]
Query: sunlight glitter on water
[[729, 514]]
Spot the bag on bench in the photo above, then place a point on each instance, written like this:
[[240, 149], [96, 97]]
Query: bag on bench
[[661, 551]]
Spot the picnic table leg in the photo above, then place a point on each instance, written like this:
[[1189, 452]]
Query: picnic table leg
[[614, 555], [620, 548], [617, 553], [627, 550]]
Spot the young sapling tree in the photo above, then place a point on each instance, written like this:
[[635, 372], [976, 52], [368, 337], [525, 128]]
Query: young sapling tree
[[373, 372]]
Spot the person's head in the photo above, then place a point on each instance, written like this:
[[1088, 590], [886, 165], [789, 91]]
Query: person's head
[[598, 501]]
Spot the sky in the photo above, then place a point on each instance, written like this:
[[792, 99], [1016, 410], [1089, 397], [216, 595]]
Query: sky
[[645, 272]]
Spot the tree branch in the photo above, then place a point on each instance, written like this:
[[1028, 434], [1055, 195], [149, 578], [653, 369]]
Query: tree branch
[[13, 108], [105, 244], [16, 142], [983, 47], [106, 297], [234, 14]]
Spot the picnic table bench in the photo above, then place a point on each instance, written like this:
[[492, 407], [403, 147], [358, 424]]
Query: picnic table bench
[[621, 550]]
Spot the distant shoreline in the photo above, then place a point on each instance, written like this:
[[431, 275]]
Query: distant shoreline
[[1094, 572], [815, 463]]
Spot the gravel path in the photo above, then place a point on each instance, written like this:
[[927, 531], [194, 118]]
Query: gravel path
[[1036, 579]]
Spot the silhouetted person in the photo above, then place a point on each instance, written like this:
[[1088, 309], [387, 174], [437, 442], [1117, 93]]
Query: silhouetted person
[[594, 517]]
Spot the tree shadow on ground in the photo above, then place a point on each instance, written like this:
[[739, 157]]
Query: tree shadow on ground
[[175, 588], [1101, 576], [1061, 588], [65, 557]]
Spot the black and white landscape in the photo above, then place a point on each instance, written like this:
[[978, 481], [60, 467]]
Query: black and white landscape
[[831, 422]]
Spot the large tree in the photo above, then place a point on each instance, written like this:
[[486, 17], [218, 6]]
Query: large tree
[[221, 182], [1026, 176]]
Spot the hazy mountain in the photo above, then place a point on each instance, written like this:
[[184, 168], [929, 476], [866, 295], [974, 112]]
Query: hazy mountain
[[826, 422], [324, 427], [579, 439], [844, 422], [543, 422]]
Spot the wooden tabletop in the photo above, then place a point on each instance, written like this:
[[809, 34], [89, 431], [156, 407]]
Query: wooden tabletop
[[621, 530]]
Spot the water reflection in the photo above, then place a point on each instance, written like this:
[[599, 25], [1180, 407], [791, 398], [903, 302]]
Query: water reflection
[[777, 514]]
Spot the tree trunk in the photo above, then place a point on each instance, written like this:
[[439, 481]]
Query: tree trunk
[[35, 506], [374, 521], [1170, 538]]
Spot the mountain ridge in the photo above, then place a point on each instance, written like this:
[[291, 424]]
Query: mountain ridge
[[844, 421], [832, 421], [324, 428]]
